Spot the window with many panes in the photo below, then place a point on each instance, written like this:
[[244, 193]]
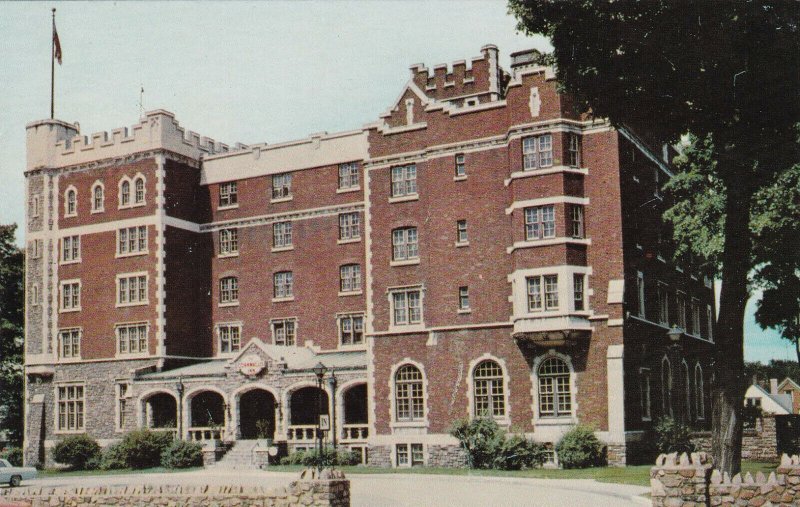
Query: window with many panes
[[404, 180], [283, 284], [349, 226], [348, 175], [132, 289], [281, 186], [122, 405], [125, 193], [461, 231], [230, 338], [540, 222], [663, 303], [71, 248], [229, 290], [70, 400], [574, 150], [70, 295], [461, 166], [409, 400], [282, 234], [228, 241], [579, 296], [576, 221], [132, 240], [284, 332], [695, 317], [537, 152], [644, 394], [132, 338], [71, 204], [351, 329], [555, 396], [409, 455], [406, 307], [70, 343], [463, 298], [680, 303], [350, 278], [489, 398], [228, 194], [405, 244], [138, 187], [542, 292], [98, 198]]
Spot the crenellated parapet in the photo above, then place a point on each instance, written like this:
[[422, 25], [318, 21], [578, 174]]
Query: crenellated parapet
[[54, 143], [481, 77]]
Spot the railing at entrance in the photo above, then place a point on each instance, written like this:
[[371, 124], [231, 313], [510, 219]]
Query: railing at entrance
[[355, 432], [200, 434], [171, 431], [301, 433]]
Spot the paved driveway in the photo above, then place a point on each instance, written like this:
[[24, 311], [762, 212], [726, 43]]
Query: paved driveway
[[404, 490]]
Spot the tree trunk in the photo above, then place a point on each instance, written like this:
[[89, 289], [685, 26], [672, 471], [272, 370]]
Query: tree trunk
[[728, 387], [797, 349]]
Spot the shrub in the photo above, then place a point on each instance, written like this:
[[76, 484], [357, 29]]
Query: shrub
[[114, 457], [580, 448], [329, 458], [182, 454], [13, 455], [673, 436], [489, 446], [143, 448], [76, 451]]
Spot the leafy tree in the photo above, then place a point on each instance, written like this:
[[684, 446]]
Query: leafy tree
[[728, 72], [776, 368], [11, 334]]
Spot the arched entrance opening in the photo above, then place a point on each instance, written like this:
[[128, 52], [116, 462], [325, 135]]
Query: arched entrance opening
[[257, 414], [161, 411], [355, 427], [207, 416], [304, 405]]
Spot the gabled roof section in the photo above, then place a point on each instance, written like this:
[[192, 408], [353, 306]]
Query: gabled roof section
[[410, 85], [787, 382]]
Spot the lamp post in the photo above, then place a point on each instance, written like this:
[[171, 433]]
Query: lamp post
[[319, 371], [674, 334], [332, 382], [179, 389]]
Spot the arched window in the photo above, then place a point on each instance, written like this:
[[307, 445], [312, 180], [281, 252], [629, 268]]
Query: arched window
[[699, 393], [97, 198], [125, 193], [489, 390], [687, 391], [666, 387], [555, 397], [139, 187], [409, 401], [72, 202]]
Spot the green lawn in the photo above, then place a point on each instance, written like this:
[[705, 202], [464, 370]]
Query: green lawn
[[51, 472]]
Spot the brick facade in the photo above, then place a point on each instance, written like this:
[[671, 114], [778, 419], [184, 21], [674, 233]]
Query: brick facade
[[439, 307]]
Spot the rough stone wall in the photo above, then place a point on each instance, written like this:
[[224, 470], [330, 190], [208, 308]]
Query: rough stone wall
[[758, 444], [450, 456], [380, 456], [331, 489]]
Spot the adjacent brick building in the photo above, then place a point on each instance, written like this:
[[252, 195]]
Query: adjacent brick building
[[481, 249]]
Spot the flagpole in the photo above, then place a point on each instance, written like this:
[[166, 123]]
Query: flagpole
[[53, 67]]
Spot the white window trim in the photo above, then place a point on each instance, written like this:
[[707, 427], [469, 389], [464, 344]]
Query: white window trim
[[59, 344], [348, 189], [133, 202], [35, 203], [76, 260], [102, 207], [409, 443], [119, 192], [404, 198], [218, 338], [117, 415], [558, 240], [227, 304], [393, 422], [56, 429], [219, 243], [146, 251], [35, 294], [666, 390], [129, 355], [69, 189], [566, 294], [504, 420], [352, 346], [407, 327], [61, 285], [272, 323], [538, 420], [147, 289], [223, 207]]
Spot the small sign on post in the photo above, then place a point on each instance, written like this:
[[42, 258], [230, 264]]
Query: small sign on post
[[324, 422]]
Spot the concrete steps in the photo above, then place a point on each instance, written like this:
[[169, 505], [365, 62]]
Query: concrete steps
[[240, 456]]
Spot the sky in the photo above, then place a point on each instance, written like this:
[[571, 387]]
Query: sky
[[239, 72]]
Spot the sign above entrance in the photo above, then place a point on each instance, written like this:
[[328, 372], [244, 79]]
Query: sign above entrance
[[252, 365]]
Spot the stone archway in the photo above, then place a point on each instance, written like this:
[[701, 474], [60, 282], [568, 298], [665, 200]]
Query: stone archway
[[257, 414]]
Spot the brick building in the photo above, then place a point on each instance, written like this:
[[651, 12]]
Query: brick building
[[480, 249]]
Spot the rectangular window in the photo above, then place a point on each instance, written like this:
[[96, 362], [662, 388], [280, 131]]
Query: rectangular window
[[644, 387], [574, 151], [70, 341], [577, 284], [709, 323], [461, 229], [228, 195], [542, 292], [132, 290], [283, 284], [36, 248], [402, 455], [132, 240], [540, 222], [281, 186], [681, 304], [349, 226], [348, 175], [122, 405], [406, 307], [463, 298], [282, 235], [663, 303], [71, 402], [537, 152], [350, 278], [695, 317], [404, 180], [461, 168], [132, 338], [351, 329], [71, 248], [640, 293], [35, 206], [417, 455], [228, 241], [229, 290], [577, 221], [230, 338], [283, 332], [405, 244], [71, 295]]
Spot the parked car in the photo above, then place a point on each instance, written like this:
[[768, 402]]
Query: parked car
[[13, 476]]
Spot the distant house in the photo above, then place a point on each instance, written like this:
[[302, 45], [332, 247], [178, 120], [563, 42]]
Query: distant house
[[792, 388], [770, 402]]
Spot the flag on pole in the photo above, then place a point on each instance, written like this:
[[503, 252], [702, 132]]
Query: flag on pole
[[56, 44]]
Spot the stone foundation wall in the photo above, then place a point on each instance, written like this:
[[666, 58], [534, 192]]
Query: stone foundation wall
[[758, 444], [330, 489], [380, 456], [616, 455], [691, 481], [450, 456]]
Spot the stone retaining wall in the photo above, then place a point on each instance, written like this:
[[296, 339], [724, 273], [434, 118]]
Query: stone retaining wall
[[329, 489], [691, 481], [758, 444]]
